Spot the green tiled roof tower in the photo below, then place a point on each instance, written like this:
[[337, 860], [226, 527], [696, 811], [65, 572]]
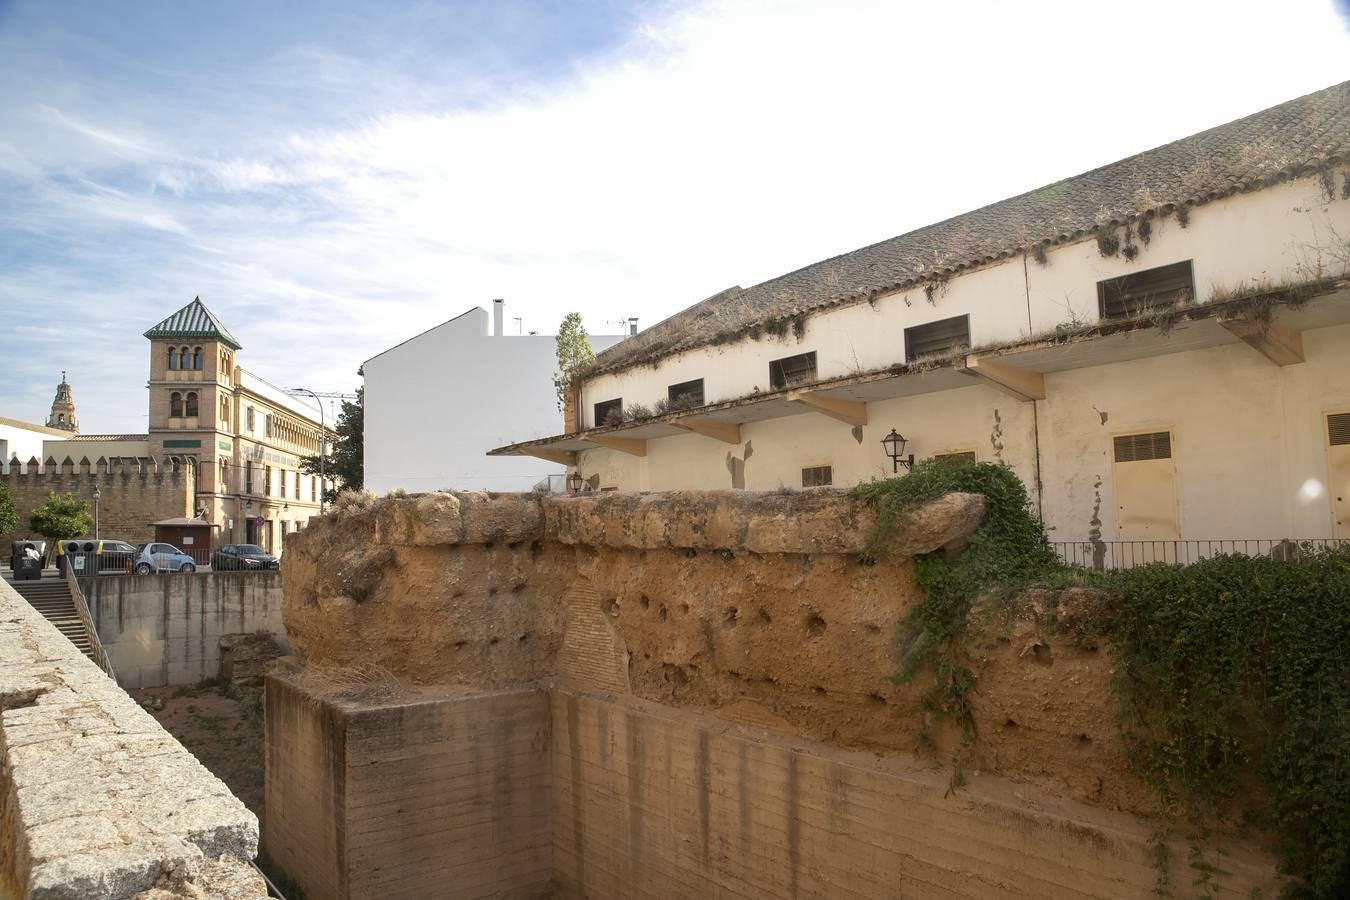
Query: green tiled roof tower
[[196, 322]]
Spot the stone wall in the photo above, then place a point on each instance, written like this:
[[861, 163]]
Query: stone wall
[[718, 626], [131, 497], [166, 629], [96, 799]]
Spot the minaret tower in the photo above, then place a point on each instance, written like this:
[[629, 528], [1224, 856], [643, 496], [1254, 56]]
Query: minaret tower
[[63, 409]]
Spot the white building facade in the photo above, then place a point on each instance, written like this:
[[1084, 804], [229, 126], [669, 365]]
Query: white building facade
[[1159, 348], [436, 403]]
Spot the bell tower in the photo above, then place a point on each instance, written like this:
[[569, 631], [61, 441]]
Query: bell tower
[[63, 409]]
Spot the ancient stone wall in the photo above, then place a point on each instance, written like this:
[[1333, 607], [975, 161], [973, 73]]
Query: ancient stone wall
[[166, 629], [132, 496], [722, 625], [96, 799]]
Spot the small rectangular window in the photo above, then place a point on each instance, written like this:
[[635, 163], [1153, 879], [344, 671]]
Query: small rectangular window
[[817, 476], [937, 338], [1135, 294], [1139, 447], [1338, 429], [686, 394], [956, 458], [791, 370], [609, 412]]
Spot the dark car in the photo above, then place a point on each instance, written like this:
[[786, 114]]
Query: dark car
[[242, 556]]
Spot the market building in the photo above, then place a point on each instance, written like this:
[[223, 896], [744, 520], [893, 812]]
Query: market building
[[1157, 347]]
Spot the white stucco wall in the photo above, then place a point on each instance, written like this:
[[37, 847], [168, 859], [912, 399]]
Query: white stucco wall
[[438, 402], [1267, 236], [1249, 446]]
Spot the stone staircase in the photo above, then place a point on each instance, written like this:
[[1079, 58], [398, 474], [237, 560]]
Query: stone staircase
[[51, 597]]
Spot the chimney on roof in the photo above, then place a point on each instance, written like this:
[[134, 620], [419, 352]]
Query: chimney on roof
[[498, 317], [632, 326]]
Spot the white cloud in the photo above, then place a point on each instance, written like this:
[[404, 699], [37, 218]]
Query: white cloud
[[723, 143]]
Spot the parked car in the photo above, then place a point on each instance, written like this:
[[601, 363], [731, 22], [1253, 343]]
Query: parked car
[[89, 556], [243, 556], [156, 558]]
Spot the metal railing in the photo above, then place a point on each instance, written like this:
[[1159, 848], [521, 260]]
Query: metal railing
[[1126, 554], [82, 610]]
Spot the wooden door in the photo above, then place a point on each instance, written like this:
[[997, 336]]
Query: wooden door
[[1338, 473], [1146, 497]]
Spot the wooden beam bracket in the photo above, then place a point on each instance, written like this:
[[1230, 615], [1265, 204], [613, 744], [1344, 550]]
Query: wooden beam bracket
[[850, 412], [1276, 340], [728, 432], [1019, 383], [632, 446]]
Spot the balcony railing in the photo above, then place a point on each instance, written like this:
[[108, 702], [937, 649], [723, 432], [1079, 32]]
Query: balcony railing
[[1125, 554]]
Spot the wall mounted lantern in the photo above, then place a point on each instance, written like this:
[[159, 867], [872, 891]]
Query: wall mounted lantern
[[574, 482], [895, 448]]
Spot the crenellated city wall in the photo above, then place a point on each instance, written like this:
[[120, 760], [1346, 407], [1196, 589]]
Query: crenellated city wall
[[133, 494]]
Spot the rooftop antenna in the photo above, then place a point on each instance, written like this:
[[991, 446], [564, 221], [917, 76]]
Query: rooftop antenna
[[517, 319]]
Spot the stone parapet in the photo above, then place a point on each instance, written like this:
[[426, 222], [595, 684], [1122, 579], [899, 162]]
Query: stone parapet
[[809, 522], [96, 798]]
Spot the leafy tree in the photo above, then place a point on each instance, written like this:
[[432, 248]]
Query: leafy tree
[[345, 460], [62, 516], [575, 355], [9, 517]]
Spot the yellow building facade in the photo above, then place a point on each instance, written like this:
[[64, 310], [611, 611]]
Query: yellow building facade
[[245, 436]]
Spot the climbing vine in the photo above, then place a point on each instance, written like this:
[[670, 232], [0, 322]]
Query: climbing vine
[[1007, 551], [1234, 673]]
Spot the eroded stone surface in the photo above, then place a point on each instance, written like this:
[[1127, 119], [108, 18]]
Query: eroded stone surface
[[96, 799]]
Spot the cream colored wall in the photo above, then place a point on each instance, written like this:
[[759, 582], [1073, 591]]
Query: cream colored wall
[[1249, 443], [1268, 235]]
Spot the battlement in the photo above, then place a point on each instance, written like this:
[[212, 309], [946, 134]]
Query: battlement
[[133, 491], [101, 466]]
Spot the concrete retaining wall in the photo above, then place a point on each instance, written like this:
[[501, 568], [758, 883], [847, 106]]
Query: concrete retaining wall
[[502, 794], [416, 797], [165, 629]]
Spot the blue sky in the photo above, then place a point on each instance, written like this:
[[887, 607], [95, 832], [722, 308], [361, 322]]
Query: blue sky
[[332, 178]]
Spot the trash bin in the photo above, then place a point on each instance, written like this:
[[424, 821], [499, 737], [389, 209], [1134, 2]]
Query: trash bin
[[25, 558]]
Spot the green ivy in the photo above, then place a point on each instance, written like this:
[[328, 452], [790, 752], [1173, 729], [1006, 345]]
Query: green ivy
[[1238, 666], [1007, 551], [1234, 672]]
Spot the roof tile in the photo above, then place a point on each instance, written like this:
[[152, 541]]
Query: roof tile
[[1281, 142]]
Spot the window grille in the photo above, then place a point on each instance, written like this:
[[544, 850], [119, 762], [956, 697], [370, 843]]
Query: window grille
[[609, 412], [1139, 447], [791, 370], [956, 458], [817, 476], [1137, 293], [937, 338], [686, 394], [1338, 429]]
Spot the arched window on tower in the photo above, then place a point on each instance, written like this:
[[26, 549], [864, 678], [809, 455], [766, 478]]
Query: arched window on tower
[[173, 359], [196, 357], [224, 410], [175, 405], [224, 477], [191, 404]]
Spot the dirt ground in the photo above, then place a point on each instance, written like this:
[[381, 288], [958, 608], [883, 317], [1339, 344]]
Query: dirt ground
[[222, 725]]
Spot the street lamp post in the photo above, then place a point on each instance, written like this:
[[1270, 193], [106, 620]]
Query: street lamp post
[[323, 436], [97, 495]]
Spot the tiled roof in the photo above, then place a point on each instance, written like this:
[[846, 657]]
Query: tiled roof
[[1309, 133], [196, 322]]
